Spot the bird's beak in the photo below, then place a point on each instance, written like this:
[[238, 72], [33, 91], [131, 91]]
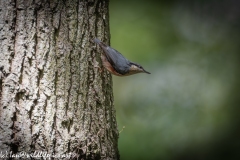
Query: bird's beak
[[146, 71]]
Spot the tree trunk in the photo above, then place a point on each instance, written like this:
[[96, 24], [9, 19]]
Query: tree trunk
[[55, 97]]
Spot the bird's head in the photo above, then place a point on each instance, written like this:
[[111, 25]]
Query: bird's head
[[136, 68]]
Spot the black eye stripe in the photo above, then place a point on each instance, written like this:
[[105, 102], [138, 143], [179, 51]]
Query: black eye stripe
[[137, 65]]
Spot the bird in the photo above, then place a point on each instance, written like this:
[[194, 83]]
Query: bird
[[116, 63]]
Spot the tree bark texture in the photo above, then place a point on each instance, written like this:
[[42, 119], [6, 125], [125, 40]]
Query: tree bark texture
[[54, 95]]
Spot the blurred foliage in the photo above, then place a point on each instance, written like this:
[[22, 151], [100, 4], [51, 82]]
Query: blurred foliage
[[188, 108]]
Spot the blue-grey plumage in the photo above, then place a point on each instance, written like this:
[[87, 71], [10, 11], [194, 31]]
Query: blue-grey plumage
[[116, 63]]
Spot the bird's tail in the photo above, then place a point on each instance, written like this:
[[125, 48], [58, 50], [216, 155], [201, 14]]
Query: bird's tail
[[100, 43], [96, 40]]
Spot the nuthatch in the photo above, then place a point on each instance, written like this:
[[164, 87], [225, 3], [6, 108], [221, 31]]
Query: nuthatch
[[116, 64]]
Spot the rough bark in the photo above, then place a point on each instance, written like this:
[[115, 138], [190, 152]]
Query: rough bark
[[54, 98]]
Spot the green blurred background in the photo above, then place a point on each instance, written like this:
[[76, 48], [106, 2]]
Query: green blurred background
[[188, 108]]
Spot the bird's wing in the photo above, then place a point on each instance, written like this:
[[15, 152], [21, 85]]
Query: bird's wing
[[116, 59]]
